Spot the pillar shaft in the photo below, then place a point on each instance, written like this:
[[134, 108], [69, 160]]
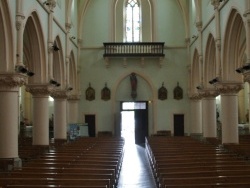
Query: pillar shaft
[[229, 110], [209, 117], [60, 120], [60, 114], [229, 118], [196, 118], [9, 124], [40, 120], [9, 113], [40, 94], [73, 109]]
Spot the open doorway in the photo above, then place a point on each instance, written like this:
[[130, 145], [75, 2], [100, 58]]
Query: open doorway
[[128, 126], [134, 122]]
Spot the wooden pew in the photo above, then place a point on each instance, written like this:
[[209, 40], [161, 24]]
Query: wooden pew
[[167, 182], [54, 181], [89, 159], [184, 162], [61, 186]]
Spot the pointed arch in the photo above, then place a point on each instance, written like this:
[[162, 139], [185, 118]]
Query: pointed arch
[[141, 75], [6, 37], [132, 21], [72, 72], [81, 15], [59, 71], [210, 61], [195, 75], [184, 10], [147, 16], [34, 50], [234, 46]]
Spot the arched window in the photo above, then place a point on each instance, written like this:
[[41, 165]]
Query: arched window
[[132, 21]]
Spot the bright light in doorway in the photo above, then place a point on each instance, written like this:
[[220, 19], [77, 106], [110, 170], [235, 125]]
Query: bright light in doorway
[[128, 126], [51, 99]]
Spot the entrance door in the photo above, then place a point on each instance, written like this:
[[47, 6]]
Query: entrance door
[[90, 119], [141, 126], [136, 118], [178, 124]]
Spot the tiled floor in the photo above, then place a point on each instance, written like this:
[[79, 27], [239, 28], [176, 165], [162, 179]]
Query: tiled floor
[[135, 172]]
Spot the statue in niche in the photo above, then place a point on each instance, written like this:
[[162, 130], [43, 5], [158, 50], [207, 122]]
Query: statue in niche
[[178, 92], [162, 92], [90, 93], [105, 95], [133, 82]]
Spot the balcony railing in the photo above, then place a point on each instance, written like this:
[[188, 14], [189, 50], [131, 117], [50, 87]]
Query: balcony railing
[[134, 49]]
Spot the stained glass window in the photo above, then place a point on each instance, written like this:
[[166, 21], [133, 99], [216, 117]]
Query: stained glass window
[[132, 21]]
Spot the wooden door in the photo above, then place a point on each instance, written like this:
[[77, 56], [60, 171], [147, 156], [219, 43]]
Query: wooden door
[[178, 124], [141, 126], [90, 119]]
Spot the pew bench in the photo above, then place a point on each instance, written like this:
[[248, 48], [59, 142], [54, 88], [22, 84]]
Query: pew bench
[[55, 181], [114, 176], [167, 182]]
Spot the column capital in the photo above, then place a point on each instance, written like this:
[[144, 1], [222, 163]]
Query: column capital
[[195, 96], [246, 76], [12, 80], [59, 94], [50, 47], [199, 25], [68, 27], [73, 97], [187, 40], [79, 42], [19, 21], [215, 3], [229, 87], [209, 93], [246, 13], [218, 43], [39, 89], [51, 4]]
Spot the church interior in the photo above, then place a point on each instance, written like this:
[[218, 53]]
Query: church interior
[[124, 93]]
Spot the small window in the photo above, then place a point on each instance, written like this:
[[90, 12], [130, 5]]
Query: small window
[[134, 106], [132, 21]]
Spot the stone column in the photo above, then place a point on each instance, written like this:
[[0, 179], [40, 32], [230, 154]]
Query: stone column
[[209, 112], [229, 111], [40, 94], [9, 88], [60, 114], [216, 4], [20, 28], [247, 51], [196, 115], [73, 111], [51, 4]]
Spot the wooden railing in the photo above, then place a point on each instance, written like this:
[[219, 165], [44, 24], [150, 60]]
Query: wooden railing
[[134, 49]]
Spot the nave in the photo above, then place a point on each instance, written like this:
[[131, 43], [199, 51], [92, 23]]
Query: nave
[[135, 171]]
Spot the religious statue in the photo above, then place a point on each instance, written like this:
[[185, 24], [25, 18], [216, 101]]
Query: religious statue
[[90, 93], [133, 82], [178, 92], [162, 92], [105, 95]]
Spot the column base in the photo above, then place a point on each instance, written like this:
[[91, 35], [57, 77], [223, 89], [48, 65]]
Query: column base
[[7, 164], [57, 142], [18, 162]]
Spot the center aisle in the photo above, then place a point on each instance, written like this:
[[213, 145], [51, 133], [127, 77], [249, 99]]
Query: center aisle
[[135, 171]]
